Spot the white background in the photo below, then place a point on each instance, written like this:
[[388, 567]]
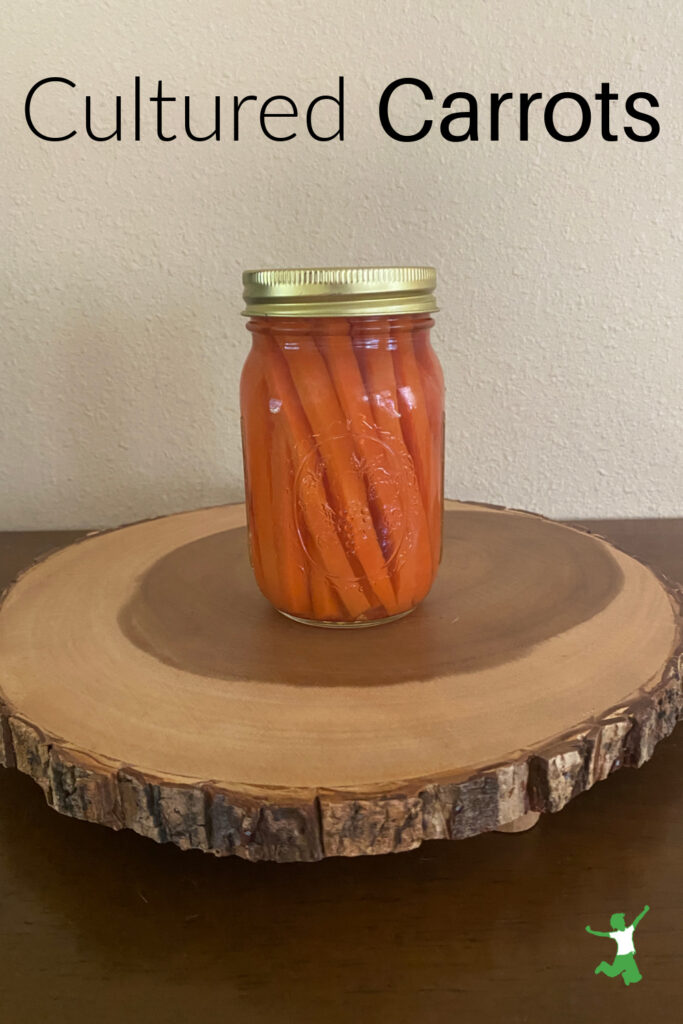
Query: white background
[[560, 271]]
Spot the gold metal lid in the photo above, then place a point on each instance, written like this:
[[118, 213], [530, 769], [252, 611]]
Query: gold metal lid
[[339, 291]]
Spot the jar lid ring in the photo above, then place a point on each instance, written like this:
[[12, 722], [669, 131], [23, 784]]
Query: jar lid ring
[[339, 291]]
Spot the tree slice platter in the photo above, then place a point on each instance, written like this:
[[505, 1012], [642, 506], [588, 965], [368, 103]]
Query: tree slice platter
[[146, 684]]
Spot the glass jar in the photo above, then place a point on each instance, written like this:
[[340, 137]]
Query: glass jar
[[342, 403]]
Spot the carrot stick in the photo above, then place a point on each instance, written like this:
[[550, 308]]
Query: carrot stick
[[432, 378], [417, 432], [414, 565], [326, 606], [433, 386], [325, 603], [291, 557], [324, 413], [383, 488], [258, 485], [311, 489]]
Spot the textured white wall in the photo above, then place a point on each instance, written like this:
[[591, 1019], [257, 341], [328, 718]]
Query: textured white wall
[[560, 270]]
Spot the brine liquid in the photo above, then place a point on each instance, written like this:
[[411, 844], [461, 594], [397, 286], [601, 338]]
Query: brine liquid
[[342, 426]]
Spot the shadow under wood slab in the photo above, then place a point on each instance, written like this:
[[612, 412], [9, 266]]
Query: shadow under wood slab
[[146, 684]]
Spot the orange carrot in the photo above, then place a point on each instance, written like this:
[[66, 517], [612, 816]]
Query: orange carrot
[[325, 602], [432, 379], [291, 557], [254, 402], [383, 488], [326, 607], [417, 431], [414, 565], [433, 386], [310, 489], [325, 416]]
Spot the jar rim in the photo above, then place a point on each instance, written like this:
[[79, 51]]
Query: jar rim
[[339, 291]]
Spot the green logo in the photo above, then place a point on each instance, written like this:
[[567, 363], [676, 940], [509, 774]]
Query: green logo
[[625, 961]]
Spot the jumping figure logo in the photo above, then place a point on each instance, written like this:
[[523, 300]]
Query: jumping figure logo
[[625, 961]]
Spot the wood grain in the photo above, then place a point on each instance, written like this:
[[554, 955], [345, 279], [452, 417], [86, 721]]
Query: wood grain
[[147, 685], [110, 927]]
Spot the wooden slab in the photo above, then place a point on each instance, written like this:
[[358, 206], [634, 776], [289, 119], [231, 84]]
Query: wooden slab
[[146, 684]]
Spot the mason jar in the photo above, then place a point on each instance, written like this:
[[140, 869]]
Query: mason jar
[[342, 405]]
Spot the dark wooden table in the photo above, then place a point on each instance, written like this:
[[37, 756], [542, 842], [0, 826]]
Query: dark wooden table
[[103, 926]]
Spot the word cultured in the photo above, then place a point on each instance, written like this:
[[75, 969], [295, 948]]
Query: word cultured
[[464, 120], [167, 126]]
